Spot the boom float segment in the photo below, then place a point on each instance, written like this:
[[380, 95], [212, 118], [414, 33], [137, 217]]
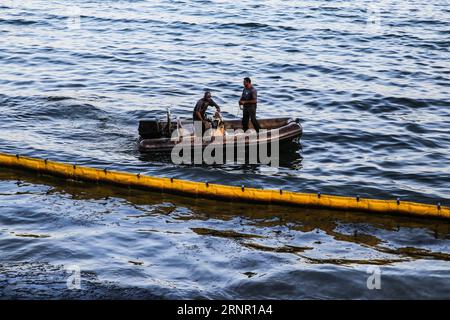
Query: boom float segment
[[169, 185]]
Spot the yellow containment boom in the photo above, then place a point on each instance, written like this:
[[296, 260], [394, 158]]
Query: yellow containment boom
[[216, 191]]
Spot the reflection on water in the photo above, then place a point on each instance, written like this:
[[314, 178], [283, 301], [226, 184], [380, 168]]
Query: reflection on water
[[157, 245]]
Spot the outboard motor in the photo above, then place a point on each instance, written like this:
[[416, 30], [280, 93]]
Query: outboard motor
[[155, 129], [150, 129]]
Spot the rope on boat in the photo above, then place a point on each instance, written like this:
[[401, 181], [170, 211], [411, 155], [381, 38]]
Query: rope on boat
[[216, 191]]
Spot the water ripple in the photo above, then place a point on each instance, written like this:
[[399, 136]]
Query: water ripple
[[374, 104]]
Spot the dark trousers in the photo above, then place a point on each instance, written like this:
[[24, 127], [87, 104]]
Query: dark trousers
[[196, 118], [249, 113]]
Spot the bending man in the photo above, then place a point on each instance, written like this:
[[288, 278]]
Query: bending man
[[201, 107]]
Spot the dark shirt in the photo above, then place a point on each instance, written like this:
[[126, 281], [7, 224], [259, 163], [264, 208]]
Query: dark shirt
[[249, 94], [202, 105]]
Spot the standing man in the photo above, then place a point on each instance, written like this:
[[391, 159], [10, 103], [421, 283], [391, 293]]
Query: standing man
[[249, 102], [201, 107]]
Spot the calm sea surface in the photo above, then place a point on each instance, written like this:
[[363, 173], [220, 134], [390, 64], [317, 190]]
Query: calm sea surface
[[370, 84]]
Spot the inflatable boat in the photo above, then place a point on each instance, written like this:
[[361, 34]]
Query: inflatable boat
[[164, 135]]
